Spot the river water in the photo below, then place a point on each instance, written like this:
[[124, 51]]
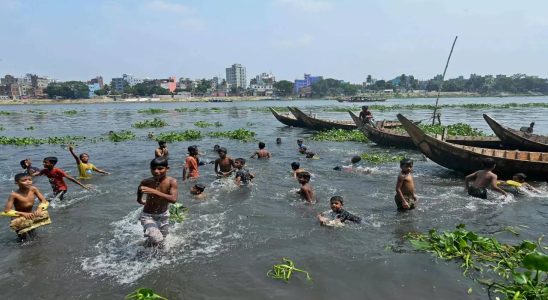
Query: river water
[[93, 249]]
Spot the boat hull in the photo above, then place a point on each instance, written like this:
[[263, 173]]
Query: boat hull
[[515, 139], [286, 120], [320, 124]]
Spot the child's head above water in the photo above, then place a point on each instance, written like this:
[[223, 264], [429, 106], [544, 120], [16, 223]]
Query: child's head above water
[[303, 177], [162, 144], [222, 151], [356, 159], [278, 141], [519, 177], [239, 162], [50, 161], [22, 179], [299, 141], [193, 150], [25, 163], [261, 145], [295, 165], [197, 189], [336, 203], [406, 165], [84, 157], [488, 163], [216, 148]]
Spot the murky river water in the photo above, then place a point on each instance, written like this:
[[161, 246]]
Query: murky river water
[[228, 242]]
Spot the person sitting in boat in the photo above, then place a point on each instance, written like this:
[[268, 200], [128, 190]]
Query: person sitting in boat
[[528, 129], [483, 179], [517, 185], [366, 116]]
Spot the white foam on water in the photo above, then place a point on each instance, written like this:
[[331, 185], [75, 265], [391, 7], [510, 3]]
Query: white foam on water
[[70, 198], [122, 257]]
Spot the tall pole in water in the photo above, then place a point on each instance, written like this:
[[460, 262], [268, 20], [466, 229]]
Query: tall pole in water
[[441, 84]]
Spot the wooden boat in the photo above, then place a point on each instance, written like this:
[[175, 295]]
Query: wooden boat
[[469, 159], [383, 136], [287, 119], [516, 139], [321, 124]]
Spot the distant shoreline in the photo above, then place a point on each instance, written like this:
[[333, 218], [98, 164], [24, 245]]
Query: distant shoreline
[[250, 98]]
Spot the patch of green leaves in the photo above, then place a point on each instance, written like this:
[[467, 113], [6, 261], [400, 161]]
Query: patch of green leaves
[[154, 123], [285, 270], [453, 129], [203, 124], [29, 128], [241, 134], [28, 141], [71, 112], [151, 111], [6, 113], [339, 135], [377, 107], [144, 294], [179, 136], [177, 213], [120, 136], [381, 157]]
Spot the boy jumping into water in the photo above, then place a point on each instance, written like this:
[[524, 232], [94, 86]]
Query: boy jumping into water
[[161, 151], [190, 169], [224, 165], [262, 152], [85, 168], [161, 190], [337, 213], [405, 198], [55, 176], [21, 202], [306, 191], [243, 176], [483, 179]]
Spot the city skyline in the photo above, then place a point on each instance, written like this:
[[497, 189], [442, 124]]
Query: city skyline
[[346, 40]]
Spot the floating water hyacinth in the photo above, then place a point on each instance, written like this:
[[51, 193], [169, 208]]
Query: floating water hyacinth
[[152, 111], [380, 158], [6, 113], [179, 136], [154, 123], [203, 124], [285, 270], [377, 107], [144, 294], [241, 134], [120, 136], [70, 112], [26, 141], [30, 128], [339, 135], [177, 213]]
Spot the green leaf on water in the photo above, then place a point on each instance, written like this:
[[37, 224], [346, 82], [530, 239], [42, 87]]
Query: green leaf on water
[[536, 261]]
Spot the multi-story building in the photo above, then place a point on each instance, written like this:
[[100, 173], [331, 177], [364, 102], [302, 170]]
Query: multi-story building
[[305, 84], [235, 76], [169, 84], [92, 87], [131, 81], [263, 84], [98, 80], [118, 84]]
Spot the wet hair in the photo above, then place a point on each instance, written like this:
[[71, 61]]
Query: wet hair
[[488, 163], [22, 163], [161, 143], [216, 147], [337, 199], [192, 149], [309, 154], [406, 162], [222, 149], [240, 160], [278, 140], [82, 154], [200, 187], [299, 140], [261, 145], [365, 107], [295, 165], [158, 162], [304, 175], [20, 176], [52, 159], [520, 176], [356, 159], [337, 168]]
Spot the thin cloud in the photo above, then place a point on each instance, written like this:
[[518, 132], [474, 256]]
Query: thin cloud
[[300, 42], [307, 5], [164, 6]]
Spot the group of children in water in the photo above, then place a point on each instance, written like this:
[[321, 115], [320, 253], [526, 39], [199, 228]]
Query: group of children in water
[[159, 191]]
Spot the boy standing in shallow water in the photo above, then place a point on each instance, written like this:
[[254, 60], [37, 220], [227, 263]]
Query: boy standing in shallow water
[[85, 168], [405, 198], [55, 176], [262, 152], [161, 151], [224, 165], [161, 190], [190, 169], [306, 191], [483, 179]]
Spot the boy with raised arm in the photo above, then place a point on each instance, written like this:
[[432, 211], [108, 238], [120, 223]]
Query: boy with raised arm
[[306, 191], [55, 176], [405, 198], [85, 168], [483, 179], [262, 152], [224, 165], [160, 190], [20, 206]]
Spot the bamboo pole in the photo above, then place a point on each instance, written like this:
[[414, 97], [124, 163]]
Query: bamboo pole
[[441, 84]]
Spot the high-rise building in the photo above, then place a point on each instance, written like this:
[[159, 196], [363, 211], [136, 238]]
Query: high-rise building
[[235, 76]]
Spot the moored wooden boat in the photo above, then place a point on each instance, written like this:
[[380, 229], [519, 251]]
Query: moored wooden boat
[[391, 138], [287, 119], [321, 124], [515, 139], [469, 159]]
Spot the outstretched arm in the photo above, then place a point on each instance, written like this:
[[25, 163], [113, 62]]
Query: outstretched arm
[[140, 195], [256, 153], [71, 149], [76, 181], [100, 171], [495, 187]]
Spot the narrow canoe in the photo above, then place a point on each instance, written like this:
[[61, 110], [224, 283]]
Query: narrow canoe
[[321, 124], [391, 138], [288, 119], [515, 139], [469, 159]]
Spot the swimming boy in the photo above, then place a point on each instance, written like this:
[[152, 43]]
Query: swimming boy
[[296, 167], [160, 190], [302, 147], [354, 167], [405, 198], [162, 151], [85, 168], [26, 164], [518, 180], [198, 191], [278, 141], [190, 169], [306, 191], [262, 152], [20, 205], [243, 176], [55, 176], [337, 213], [483, 179], [224, 165]]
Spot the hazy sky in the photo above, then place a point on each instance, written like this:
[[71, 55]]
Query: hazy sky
[[343, 39]]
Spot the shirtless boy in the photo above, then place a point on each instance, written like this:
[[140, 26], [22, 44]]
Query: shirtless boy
[[405, 198], [262, 152], [224, 165], [21, 202], [161, 151], [296, 169], [198, 191], [160, 190], [483, 179], [306, 191]]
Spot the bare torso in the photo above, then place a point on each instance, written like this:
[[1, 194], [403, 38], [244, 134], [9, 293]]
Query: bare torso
[[483, 178], [225, 164], [24, 201], [155, 204]]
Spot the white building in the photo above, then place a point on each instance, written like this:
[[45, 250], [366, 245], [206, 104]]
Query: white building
[[235, 76], [131, 81]]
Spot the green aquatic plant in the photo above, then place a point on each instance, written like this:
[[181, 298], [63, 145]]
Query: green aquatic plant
[[120, 136], [28, 141], [152, 111], [339, 135], [39, 112], [144, 294], [521, 269], [203, 124], [199, 109], [218, 124], [71, 112], [241, 134], [29, 128], [381, 157], [285, 270], [177, 213], [377, 107], [179, 136], [2, 128], [6, 113], [453, 129], [277, 108], [154, 123]]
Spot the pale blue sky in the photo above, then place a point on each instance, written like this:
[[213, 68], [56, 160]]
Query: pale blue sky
[[344, 39]]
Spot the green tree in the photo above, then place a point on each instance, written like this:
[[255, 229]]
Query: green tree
[[149, 88], [283, 88], [68, 90]]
